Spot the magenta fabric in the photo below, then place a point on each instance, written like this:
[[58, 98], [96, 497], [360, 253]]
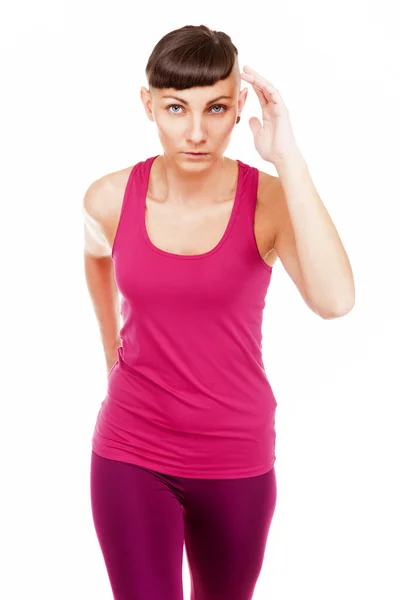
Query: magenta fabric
[[189, 395]]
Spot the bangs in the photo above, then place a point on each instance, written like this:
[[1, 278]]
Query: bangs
[[191, 57]]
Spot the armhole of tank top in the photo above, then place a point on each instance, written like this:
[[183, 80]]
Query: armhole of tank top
[[126, 195], [254, 199]]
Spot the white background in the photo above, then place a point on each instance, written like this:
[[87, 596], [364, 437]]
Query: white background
[[71, 112]]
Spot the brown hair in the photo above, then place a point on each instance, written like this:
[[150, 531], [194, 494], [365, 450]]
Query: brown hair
[[191, 56]]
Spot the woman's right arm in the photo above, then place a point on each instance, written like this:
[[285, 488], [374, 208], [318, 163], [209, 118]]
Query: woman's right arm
[[99, 268]]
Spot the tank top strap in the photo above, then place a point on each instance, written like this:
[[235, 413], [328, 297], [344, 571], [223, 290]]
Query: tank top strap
[[248, 189], [129, 219], [242, 240]]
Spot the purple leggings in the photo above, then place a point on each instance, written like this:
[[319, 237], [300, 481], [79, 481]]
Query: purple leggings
[[142, 519]]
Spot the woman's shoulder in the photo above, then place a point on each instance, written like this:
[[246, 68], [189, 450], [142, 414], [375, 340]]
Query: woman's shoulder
[[102, 204]]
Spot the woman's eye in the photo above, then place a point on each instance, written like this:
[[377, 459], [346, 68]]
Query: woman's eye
[[215, 105], [220, 106]]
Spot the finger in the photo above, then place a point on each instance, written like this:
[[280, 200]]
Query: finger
[[258, 83], [262, 98], [269, 96], [258, 75], [266, 114], [262, 82]]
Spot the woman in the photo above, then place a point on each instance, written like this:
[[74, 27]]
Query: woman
[[183, 447]]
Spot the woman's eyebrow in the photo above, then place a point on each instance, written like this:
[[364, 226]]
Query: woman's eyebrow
[[185, 101]]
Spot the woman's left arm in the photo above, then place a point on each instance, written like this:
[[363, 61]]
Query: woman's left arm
[[305, 237], [303, 221]]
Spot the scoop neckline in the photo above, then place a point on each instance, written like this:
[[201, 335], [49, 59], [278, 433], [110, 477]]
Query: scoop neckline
[[188, 256]]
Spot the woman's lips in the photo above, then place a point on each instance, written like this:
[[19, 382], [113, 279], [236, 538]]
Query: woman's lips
[[196, 153]]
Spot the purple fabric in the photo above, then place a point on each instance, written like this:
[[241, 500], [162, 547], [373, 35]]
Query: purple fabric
[[142, 519]]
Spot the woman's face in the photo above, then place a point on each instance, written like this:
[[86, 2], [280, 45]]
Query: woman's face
[[199, 119]]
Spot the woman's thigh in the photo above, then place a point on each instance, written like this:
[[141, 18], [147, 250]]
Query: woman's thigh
[[139, 524], [226, 524]]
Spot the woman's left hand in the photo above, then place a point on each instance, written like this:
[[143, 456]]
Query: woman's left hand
[[274, 139]]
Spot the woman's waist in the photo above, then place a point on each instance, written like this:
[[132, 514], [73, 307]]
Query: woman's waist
[[191, 391]]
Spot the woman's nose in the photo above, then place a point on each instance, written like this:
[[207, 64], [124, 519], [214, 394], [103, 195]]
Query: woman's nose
[[196, 131]]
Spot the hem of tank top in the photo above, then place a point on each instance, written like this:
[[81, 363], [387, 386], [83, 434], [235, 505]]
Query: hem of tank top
[[121, 456], [223, 239]]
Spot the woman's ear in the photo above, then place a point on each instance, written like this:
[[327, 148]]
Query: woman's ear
[[242, 98], [146, 100]]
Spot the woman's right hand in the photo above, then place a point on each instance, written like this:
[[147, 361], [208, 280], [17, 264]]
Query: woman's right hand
[[111, 357], [109, 367]]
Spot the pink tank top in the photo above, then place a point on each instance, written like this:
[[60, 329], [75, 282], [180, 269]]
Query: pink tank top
[[188, 395]]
